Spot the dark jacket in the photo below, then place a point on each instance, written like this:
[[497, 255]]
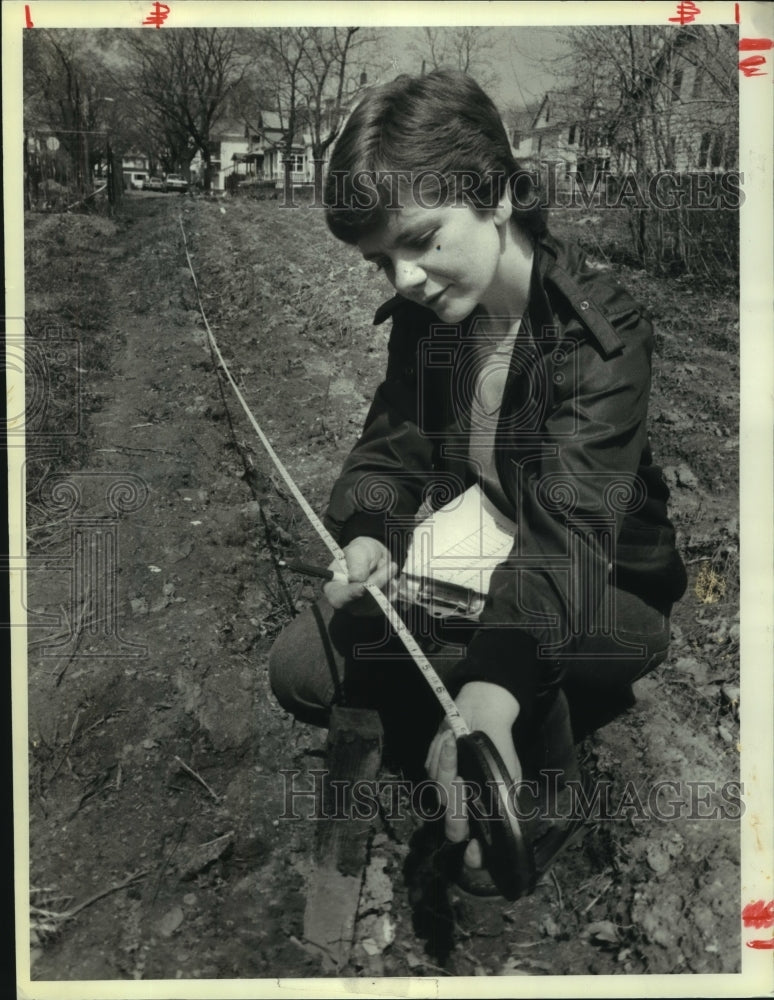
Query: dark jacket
[[571, 452]]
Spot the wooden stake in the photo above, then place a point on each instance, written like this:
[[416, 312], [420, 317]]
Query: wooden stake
[[341, 843]]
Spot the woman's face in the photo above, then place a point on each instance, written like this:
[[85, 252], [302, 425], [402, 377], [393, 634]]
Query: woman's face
[[445, 258]]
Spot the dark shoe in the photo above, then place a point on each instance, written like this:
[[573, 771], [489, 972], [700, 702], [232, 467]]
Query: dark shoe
[[545, 850], [559, 827], [476, 882]]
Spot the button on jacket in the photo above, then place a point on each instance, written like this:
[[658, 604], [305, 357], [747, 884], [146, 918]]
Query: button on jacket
[[571, 452]]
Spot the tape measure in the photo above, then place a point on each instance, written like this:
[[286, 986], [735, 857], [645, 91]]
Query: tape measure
[[491, 817]]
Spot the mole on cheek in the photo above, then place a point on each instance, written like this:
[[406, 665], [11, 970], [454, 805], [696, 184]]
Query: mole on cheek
[[438, 247]]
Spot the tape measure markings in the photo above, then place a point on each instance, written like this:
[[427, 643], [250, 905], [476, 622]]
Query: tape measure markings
[[456, 722]]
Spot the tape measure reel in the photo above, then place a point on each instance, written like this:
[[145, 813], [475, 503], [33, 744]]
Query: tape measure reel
[[493, 806]]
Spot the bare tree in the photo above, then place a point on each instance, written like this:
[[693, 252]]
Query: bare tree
[[70, 96], [61, 95], [314, 78], [464, 48], [658, 95], [281, 53], [326, 93], [185, 79]]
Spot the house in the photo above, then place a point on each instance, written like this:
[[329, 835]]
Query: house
[[521, 136], [302, 159], [700, 105], [254, 150], [135, 167], [134, 161], [558, 131], [270, 133], [683, 119]]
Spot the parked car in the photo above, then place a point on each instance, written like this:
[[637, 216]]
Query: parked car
[[176, 182], [154, 184], [137, 181]]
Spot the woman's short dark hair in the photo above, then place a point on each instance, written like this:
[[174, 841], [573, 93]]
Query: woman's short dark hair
[[443, 133]]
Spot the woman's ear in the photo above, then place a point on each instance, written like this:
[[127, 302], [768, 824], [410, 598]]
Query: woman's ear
[[504, 208]]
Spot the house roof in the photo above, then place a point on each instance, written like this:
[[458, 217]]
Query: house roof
[[271, 120], [565, 109], [521, 121], [562, 105], [539, 111], [229, 127]]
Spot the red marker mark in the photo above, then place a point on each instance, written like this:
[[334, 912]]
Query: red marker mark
[[749, 66], [748, 44], [27, 16], [758, 914], [736, 12], [158, 15], [686, 12]]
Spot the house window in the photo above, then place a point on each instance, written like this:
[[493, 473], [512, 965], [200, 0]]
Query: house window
[[571, 136], [516, 140], [540, 144], [677, 81], [698, 80], [296, 162]]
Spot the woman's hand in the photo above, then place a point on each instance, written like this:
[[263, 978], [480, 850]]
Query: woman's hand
[[492, 709], [368, 563]]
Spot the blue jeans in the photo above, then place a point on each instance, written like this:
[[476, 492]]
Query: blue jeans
[[326, 657]]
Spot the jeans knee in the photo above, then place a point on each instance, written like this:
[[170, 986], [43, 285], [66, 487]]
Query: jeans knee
[[300, 671], [286, 674]]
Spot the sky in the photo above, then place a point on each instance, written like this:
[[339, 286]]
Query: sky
[[521, 59]]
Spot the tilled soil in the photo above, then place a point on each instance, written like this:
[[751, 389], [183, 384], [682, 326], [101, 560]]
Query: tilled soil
[[162, 759]]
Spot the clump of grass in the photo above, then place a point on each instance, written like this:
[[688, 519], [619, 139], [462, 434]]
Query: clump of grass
[[49, 914]]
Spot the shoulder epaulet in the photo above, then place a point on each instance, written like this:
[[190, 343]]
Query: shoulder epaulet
[[596, 297]]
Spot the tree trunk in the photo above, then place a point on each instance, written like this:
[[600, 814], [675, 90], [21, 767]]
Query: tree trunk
[[287, 194], [82, 167], [114, 179]]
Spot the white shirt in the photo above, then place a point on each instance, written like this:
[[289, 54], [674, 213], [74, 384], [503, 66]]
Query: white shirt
[[492, 364]]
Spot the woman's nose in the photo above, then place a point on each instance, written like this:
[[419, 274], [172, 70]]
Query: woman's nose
[[409, 276]]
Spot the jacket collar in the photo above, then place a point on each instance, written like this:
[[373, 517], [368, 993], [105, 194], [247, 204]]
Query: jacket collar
[[555, 264]]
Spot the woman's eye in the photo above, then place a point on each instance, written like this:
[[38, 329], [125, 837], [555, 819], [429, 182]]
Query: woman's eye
[[424, 240], [421, 242]]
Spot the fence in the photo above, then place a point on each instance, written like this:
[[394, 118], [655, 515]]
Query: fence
[[70, 170]]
